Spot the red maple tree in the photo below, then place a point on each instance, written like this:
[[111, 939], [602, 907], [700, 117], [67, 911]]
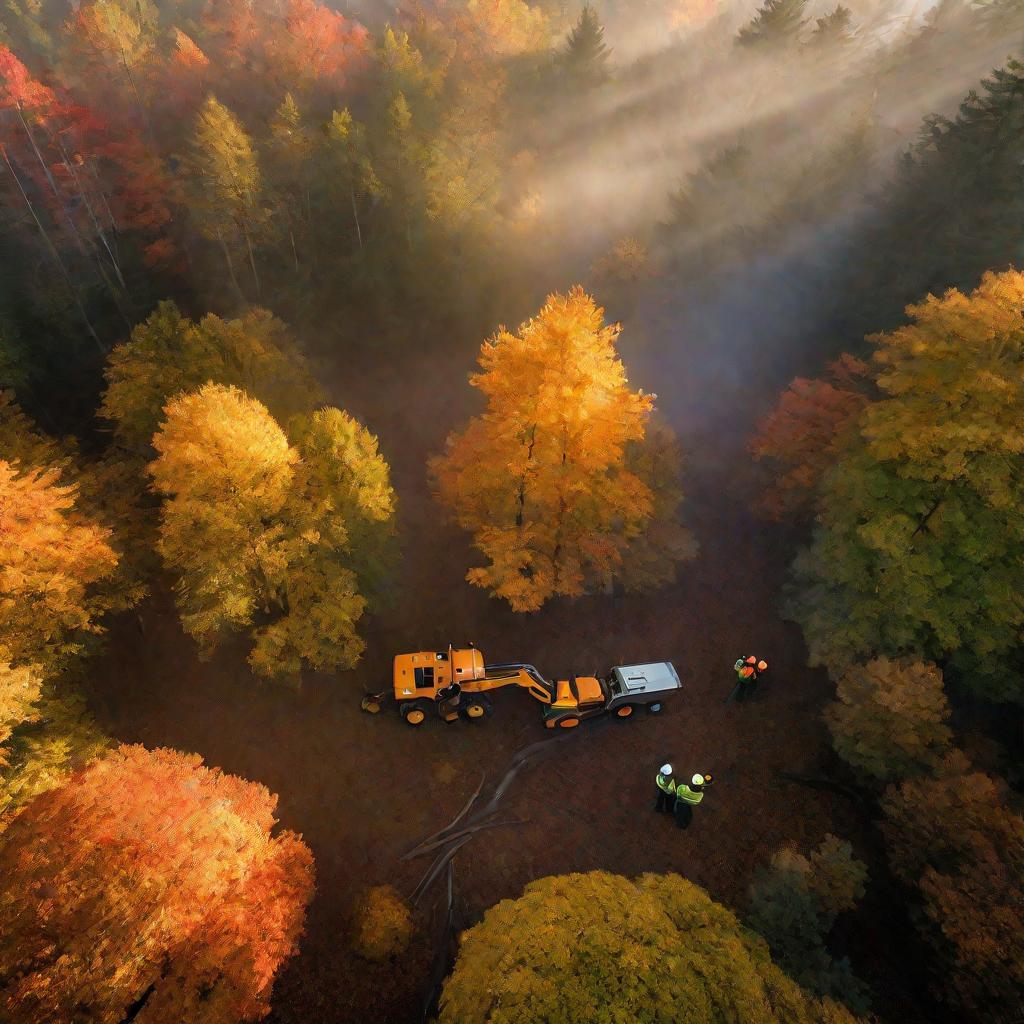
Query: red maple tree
[[150, 888], [803, 435]]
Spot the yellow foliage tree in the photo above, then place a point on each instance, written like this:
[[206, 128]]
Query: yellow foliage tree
[[599, 947], [256, 531], [19, 691], [54, 563], [169, 353], [228, 468], [384, 923], [542, 479], [228, 192], [109, 493]]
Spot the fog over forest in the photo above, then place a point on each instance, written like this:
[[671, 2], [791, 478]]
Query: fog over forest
[[510, 511]]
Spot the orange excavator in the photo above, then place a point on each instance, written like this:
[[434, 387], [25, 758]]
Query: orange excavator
[[454, 683]]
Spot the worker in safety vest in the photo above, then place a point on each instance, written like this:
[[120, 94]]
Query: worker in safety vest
[[666, 789], [748, 671], [688, 796]]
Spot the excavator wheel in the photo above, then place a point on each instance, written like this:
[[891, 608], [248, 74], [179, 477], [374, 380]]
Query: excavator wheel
[[414, 713], [654, 709], [568, 723], [476, 708], [626, 711]]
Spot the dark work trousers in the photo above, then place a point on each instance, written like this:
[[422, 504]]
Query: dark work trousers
[[684, 814], [664, 801]]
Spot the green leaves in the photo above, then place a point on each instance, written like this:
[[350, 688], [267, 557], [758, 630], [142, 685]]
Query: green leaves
[[889, 718], [920, 534], [169, 353]]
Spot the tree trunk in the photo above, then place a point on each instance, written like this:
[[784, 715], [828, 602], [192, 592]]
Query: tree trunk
[[83, 195], [54, 253], [522, 483], [88, 250], [231, 266], [138, 100], [355, 216], [252, 261], [35, 149]]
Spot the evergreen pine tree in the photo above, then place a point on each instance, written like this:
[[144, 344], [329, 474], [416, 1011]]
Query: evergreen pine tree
[[834, 29], [585, 57], [777, 24]]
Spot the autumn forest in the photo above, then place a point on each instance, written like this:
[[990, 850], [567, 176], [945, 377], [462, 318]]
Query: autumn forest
[[680, 338]]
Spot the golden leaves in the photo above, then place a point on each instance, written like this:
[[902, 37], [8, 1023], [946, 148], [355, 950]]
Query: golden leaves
[[543, 478], [266, 541]]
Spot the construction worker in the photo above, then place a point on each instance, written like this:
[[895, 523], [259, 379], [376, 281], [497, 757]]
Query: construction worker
[[666, 789], [688, 795], [748, 671]]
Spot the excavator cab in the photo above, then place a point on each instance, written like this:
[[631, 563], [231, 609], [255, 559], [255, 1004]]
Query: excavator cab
[[422, 674]]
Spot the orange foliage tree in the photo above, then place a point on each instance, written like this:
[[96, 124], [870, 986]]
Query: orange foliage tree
[[297, 44], [957, 839], [54, 563], [148, 888], [542, 479], [19, 690], [804, 435]]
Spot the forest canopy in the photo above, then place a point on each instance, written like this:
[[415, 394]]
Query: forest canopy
[[737, 286]]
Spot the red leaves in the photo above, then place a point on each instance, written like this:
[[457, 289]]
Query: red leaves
[[297, 44], [319, 44], [149, 869], [804, 431], [18, 89]]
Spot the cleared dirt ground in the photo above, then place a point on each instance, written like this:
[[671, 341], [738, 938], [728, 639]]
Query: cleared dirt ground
[[362, 790]]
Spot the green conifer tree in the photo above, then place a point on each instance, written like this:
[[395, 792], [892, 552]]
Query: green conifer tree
[[834, 29], [777, 24], [585, 57]]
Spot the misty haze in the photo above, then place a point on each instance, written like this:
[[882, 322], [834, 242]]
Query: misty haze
[[512, 511]]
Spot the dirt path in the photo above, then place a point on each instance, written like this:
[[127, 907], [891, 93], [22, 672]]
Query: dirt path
[[363, 790]]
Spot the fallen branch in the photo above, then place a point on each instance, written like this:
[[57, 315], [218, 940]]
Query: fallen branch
[[444, 951], [436, 868], [469, 831], [458, 817], [520, 759]]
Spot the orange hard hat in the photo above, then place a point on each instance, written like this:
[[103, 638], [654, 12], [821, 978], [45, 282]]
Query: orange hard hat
[[750, 660], [762, 665]]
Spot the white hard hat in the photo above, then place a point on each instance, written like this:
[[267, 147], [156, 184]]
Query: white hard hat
[[666, 769], [697, 780]]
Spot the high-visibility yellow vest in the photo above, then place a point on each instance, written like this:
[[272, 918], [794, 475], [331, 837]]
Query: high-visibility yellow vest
[[666, 784], [684, 793]]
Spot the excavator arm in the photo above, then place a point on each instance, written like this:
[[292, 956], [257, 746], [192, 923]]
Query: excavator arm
[[525, 676]]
